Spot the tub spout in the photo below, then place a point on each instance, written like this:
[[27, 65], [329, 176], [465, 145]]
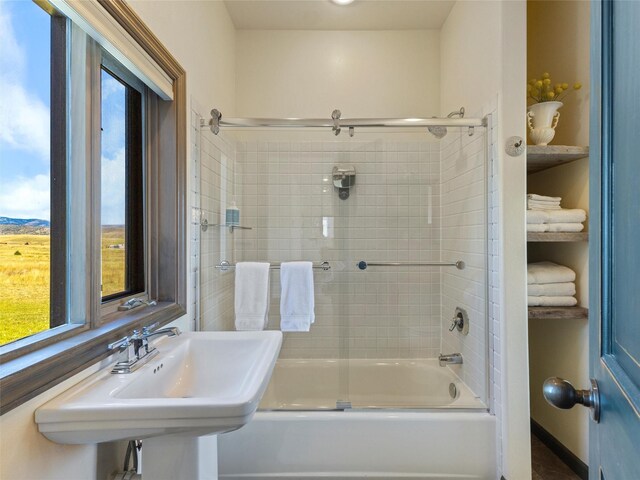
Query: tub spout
[[450, 359]]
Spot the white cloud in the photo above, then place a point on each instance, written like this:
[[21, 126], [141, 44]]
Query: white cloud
[[24, 118], [113, 189], [26, 198], [11, 53]]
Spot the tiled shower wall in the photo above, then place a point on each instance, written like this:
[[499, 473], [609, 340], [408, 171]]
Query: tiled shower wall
[[464, 236], [286, 194], [403, 208]]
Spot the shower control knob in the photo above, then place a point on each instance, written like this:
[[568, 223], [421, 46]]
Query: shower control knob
[[561, 394]]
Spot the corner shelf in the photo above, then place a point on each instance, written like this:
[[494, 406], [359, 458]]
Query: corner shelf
[[541, 157], [557, 236], [558, 313]]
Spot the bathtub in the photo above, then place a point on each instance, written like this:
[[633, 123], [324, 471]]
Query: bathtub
[[408, 419]]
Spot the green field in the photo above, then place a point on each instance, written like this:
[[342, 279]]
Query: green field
[[24, 280]]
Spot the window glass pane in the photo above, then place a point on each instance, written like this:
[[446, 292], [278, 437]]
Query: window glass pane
[[113, 185], [25, 165]]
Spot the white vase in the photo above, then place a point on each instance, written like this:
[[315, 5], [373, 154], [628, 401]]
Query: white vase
[[542, 119]]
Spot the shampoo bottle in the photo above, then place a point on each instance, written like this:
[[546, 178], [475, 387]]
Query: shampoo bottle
[[232, 215]]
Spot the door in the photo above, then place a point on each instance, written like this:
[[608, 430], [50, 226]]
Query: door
[[615, 240]]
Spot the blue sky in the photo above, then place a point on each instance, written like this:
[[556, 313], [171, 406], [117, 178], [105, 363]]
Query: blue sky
[[24, 120], [24, 110]]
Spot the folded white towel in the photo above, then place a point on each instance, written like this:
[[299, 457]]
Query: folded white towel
[[551, 289], [537, 227], [537, 217], [551, 301], [543, 198], [565, 227], [296, 299], [567, 215], [252, 295], [531, 205], [549, 272]]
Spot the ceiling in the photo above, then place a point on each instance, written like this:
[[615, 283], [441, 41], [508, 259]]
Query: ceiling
[[325, 15]]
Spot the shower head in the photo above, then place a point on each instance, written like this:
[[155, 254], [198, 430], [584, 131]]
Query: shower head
[[437, 131]]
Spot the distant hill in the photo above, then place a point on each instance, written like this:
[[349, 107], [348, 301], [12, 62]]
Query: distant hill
[[24, 222], [24, 226]]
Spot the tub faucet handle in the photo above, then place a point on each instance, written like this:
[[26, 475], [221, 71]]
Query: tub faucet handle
[[454, 324]]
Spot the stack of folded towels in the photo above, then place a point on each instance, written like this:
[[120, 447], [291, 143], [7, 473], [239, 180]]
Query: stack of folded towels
[[550, 285], [544, 214]]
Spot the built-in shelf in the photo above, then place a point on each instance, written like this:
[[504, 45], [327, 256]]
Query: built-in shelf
[[557, 236], [541, 157], [558, 313]]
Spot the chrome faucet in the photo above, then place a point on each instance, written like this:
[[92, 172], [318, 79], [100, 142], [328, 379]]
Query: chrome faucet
[[138, 344], [450, 359]]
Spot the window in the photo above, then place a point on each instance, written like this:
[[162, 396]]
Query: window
[[117, 219], [122, 189], [33, 87]]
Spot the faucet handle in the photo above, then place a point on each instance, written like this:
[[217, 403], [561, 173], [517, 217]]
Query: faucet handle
[[454, 324], [121, 344], [149, 328]]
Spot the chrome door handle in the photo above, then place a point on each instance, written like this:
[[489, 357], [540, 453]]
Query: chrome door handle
[[561, 394]]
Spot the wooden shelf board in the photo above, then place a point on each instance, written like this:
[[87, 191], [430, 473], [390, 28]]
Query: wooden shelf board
[[557, 236], [541, 157], [558, 313]]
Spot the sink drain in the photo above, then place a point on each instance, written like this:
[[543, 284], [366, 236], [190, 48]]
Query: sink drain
[[453, 390]]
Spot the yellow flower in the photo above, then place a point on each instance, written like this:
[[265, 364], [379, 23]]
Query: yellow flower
[[547, 81], [551, 94], [565, 86], [559, 90], [577, 86], [557, 85], [539, 84], [545, 75]]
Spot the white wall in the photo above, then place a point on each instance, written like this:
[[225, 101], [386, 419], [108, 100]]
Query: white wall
[[562, 348], [483, 52], [361, 73], [25, 453]]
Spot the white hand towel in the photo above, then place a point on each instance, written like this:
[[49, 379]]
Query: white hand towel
[[252, 295], [542, 198], [551, 289], [567, 215], [565, 227], [537, 227], [296, 299], [551, 301], [537, 217], [549, 272]]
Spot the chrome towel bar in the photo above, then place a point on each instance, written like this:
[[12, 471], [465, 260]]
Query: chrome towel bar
[[225, 266], [362, 265]]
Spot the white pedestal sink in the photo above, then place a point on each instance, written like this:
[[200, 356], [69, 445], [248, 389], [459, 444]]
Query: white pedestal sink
[[201, 383]]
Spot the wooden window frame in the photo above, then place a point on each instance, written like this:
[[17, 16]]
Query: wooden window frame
[[30, 369]]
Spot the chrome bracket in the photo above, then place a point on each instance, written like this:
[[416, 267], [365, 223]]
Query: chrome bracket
[[335, 115], [215, 121]]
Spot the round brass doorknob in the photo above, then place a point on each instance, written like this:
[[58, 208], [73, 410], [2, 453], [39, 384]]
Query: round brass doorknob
[[561, 394]]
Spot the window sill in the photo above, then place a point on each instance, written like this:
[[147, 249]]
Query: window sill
[[29, 375]]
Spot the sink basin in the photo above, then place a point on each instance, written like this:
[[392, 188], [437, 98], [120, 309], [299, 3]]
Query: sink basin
[[200, 383]]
